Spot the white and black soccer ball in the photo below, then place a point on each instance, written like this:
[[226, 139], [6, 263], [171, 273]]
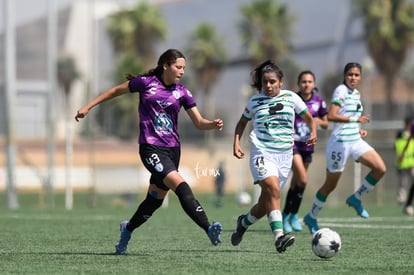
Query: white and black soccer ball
[[326, 243], [244, 199]]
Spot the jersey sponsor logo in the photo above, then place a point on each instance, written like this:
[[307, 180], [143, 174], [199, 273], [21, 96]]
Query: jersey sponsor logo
[[163, 123], [274, 109], [267, 125], [164, 103]]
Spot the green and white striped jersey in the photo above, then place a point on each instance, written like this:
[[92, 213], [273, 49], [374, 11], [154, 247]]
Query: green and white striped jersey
[[350, 104], [273, 119]]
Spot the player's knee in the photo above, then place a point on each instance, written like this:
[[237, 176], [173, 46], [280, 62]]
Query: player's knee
[[381, 170]]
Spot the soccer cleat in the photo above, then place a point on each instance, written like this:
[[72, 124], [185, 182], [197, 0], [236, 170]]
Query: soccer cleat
[[287, 228], [408, 210], [311, 223], [352, 201], [237, 235], [122, 244], [294, 222], [213, 233], [284, 242]]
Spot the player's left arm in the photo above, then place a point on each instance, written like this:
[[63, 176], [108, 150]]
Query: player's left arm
[[322, 121], [333, 115], [307, 117], [202, 123]]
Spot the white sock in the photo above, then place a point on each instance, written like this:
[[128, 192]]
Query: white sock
[[275, 221], [364, 189], [317, 206]]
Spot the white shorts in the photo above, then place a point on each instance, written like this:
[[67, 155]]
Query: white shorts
[[264, 164], [337, 153]]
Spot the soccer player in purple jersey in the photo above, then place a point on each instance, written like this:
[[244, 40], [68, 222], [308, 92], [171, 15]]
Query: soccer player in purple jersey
[[302, 152], [161, 97]]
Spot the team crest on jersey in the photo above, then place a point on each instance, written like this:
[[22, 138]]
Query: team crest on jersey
[[262, 170], [259, 163], [159, 167], [315, 106], [176, 94]]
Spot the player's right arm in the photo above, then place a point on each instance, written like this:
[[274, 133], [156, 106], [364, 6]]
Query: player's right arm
[[107, 95], [238, 132]]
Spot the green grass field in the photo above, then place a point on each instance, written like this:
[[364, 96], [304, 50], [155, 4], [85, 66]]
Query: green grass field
[[81, 241]]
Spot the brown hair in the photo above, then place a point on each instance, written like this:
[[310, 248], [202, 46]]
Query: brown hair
[[169, 57]]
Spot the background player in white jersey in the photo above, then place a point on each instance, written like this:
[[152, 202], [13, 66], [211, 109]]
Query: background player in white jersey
[[345, 141], [272, 112]]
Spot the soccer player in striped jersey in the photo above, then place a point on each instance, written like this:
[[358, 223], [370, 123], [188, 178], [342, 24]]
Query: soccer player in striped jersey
[[272, 112], [346, 140]]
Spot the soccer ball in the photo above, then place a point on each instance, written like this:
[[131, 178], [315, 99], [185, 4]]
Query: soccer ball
[[243, 199], [326, 243]]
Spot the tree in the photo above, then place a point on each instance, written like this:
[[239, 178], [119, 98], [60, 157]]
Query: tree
[[134, 34], [266, 30], [137, 31], [207, 56], [67, 73], [389, 32], [119, 116]]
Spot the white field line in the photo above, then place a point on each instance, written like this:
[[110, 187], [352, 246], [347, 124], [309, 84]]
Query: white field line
[[62, 218], [370, 223], [366, 226], [348, 222], [370, 219]]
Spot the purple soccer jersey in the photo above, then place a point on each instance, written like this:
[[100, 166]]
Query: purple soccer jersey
[[158, 110], [317, 107]]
